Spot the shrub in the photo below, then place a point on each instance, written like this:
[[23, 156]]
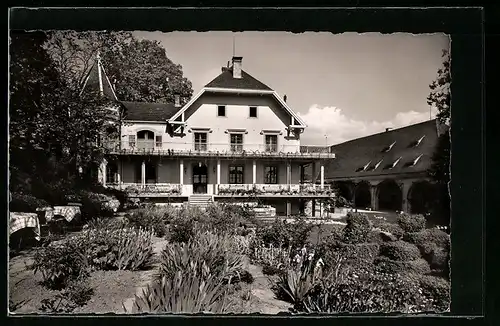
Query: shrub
[[365, 293], [393, 229], [440, 259], [400, 251], [96, 204], [183, 293], [25, 203], [411, 223], [153, 217], [368, 251], [120, 248], [436, 289], [357, 229], [61, 263], [283, 233], [429, 236], [418, 266], [223, 219], [204, 253], [182, 229], [293, 285]]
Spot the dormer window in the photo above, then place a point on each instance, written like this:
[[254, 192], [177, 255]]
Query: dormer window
[[253, 112], [377, 165], [388, 148], [396, 162], [420, 140], [221, 111], [415, 161]]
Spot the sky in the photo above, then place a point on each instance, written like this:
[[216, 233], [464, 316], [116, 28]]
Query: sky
[[344, 86]]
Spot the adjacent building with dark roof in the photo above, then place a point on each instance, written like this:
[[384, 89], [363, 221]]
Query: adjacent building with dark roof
[[387, 170]]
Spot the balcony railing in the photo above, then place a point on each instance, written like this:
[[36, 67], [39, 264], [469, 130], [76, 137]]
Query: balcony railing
[[218, 149]]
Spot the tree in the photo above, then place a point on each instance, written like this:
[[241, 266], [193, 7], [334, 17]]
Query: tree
[[143, 72], [439, 171], [139, 69]]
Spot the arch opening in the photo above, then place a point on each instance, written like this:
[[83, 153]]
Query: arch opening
[[362, 196], [390, 196], [421, 197]]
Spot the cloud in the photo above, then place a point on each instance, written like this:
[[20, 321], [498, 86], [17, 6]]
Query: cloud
[[331, 121]]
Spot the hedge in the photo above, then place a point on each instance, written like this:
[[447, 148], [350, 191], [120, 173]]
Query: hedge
[[418, 266], [393, 229], [437, 289], [357, 229], [400, 251], [427, 236], [25, 203], [411, 223]]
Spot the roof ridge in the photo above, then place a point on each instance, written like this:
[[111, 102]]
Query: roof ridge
[[385, 132]]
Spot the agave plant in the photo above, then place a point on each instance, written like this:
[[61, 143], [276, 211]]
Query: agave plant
[[184, 293]]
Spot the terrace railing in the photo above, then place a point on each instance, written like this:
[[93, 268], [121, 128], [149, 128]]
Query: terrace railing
[[218, 149]]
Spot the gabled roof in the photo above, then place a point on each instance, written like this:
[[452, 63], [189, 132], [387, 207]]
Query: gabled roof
[[98, 82], [144, 111], [352, 157], [226, 80]]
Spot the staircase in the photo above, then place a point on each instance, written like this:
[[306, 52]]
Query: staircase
[[201, 201]]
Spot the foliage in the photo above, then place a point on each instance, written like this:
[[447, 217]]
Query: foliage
[[77, 294], [357, 229], [157, 218], [183, 293], [22, 202], [434, 235], [282, 233], [119, 248], [439, 170], [61, 263], [411, 223], [206, 252], [365, 293], [273, 259], [411, 267], [393, 229], [342, 202], [95, 205], [182, 228], [436, 289], [400, 251]]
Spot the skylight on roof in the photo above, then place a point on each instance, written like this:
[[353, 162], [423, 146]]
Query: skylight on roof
[[396, 162], [389, 147]]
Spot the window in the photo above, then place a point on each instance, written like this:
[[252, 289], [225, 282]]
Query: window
[[236, 174], [200, 141], [271, 175], [221, 111], [131, 140], [271, 143], [253, 112], [158, 141], [236, 142]]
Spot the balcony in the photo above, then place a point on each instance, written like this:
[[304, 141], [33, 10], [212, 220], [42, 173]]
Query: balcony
[[226, 190], [203, 149]]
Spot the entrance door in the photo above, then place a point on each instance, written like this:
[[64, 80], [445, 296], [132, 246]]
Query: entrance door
[[200, 179]]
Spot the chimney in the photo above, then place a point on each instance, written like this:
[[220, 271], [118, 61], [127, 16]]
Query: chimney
[[387, 129], [284, 98], [237, 67], [177, 102]]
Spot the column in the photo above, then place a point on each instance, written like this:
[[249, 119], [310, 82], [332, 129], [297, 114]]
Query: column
[[288, 181], [143, 174], [373, 197], [405, 187], [254, 172], [181, 172], [322, 177], [218, 178]]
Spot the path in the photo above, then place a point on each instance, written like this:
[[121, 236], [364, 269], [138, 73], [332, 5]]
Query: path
[[261, 290]]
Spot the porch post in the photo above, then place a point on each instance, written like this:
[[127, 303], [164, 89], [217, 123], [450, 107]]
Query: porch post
[[322, 177], [218, 178], [405, 187], [143, 174], [288, 181], [254, 172], [104, 172], [181, 172]]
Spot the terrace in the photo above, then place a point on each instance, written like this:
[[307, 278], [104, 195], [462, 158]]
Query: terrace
[[222, 150]]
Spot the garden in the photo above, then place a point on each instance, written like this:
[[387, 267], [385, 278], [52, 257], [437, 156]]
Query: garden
[[225, 260]]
